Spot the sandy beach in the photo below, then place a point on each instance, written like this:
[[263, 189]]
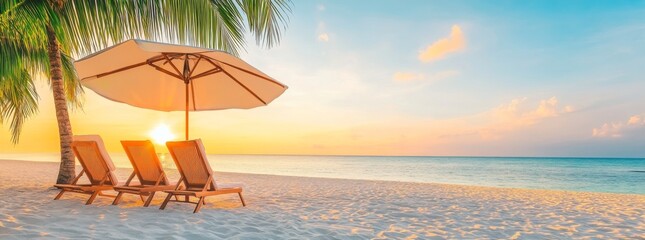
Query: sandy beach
[[283, 207]]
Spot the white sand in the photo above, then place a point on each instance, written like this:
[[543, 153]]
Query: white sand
[[281, 207]]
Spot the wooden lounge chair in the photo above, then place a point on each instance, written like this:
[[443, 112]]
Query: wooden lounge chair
[[148, 170], [97, 165], [196, 175]]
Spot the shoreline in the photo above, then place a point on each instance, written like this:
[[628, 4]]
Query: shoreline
[[359, 179]]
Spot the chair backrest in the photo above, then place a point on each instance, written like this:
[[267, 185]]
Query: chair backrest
[[145, 162], [90, 152], [191, 161]]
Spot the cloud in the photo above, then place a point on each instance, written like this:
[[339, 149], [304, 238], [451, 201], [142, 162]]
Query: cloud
[[481, 133], [617, 129], [411, 76], [323, 33], [636, 119], [498, 122], [323, 37], [321, 7], [437, 50], [608, 130], [516, 114], [407, 76]]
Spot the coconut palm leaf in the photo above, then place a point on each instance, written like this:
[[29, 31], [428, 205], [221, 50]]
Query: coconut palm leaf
[[18, 101], [72, 84], [94, 25], [265, 18], [30, 19], [220, 24]]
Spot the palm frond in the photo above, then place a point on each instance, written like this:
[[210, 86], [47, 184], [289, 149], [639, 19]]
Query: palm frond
[[9, 5], [16, 57], [30, 19], [94, 25], [72, 84], [265, 18], [18, 96], [18, 101], [24, 54], [220, 24]]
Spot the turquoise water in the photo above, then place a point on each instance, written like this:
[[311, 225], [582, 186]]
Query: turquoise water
[[616, 175], [578, 174]]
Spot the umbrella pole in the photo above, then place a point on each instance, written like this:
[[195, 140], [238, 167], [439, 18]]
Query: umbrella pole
[[186, 111]]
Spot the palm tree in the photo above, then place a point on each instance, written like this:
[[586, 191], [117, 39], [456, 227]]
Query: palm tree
[[39, 36]]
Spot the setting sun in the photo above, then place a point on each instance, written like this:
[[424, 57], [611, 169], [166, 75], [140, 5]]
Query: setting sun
[[161, 134]]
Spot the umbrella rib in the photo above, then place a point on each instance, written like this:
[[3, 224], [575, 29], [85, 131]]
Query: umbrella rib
[[195, 66], [165, 71], [208, 59], [172, 64], [148, 62], [235, 79], [254, 74], [192, 83], [244, 86], [126, 68], [121, 69], [204, 74]]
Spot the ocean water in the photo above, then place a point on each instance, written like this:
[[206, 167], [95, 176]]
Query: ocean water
[[615, 175]]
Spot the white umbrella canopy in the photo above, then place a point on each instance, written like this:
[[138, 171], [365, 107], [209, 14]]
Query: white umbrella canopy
[[169, 77]]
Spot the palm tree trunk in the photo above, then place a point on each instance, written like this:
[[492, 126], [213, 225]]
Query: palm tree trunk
[[67, 167]]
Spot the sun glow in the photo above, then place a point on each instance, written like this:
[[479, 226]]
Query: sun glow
[[161, 134]]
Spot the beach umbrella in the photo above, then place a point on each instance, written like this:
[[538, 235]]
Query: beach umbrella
[[168, 77]]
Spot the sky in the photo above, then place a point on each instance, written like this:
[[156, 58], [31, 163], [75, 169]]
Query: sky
[[434, 78]]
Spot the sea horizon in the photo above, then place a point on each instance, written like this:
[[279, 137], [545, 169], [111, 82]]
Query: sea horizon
[[362, 155]]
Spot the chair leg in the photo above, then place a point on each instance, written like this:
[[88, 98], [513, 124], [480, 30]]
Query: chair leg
[[89, 201], [60, 194], [149, 200], [141, 197], [242, 199], [199, 204], [117, 198], [165, 202]]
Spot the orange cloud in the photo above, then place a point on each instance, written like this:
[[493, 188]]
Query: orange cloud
[[616, 129], [515, 114], [636, 119], [437, 50], [323, 37], [323, 34], [407, 76], [439, 136]]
